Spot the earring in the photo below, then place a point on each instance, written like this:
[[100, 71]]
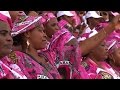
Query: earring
[[28, 44]]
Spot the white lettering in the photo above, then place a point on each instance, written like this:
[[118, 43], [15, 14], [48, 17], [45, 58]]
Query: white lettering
[[42, 77], [24, 23], [64, 63]]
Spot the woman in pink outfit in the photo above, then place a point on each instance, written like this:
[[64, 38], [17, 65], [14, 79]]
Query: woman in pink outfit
[[114, 56], [95, 65], [8, 70], [29, 31], [65, 52]]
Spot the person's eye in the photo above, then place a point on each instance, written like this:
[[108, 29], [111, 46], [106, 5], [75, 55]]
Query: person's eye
[[53, 24], [103, 45], [40, 30], [3, 33]]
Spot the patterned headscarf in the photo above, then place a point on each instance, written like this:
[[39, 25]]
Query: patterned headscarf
[[47, 17], [5, 16], [25, 23]]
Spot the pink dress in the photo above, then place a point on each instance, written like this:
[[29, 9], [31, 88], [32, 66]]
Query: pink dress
[[96, 72], [66, 58], [10, 71], [31, 68]]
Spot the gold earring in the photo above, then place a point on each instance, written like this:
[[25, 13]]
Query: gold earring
[[28, 44]]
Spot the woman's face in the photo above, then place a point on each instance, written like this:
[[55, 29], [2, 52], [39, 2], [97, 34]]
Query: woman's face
[[70, 20], [97, 21], [37, 38], [116, 56], [51, 27], [6, 41], [94, 21], [101, 52]]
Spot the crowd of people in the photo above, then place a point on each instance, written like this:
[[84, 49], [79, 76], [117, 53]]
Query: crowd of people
[[59, 45]]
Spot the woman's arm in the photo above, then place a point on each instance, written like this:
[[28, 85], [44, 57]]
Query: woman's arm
[[90, 43]]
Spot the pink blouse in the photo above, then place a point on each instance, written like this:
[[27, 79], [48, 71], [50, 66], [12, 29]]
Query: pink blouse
[[95, 72], [10, 71], [31, 68]]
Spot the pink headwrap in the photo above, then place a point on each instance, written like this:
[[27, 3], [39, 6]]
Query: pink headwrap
[[25, 23], [4, 16], [47, 17]]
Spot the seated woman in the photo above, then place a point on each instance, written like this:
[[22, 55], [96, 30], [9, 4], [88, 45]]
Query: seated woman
[[114, 56], [7, 70], [95, 65], [32, 38]]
